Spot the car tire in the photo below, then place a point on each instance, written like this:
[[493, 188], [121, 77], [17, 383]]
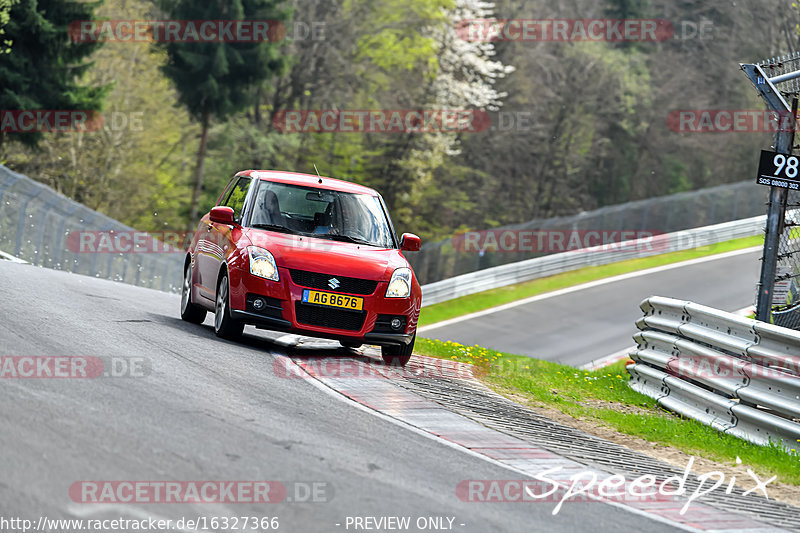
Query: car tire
[[351, 344], [225, 326], [189, 311], [398, 355]]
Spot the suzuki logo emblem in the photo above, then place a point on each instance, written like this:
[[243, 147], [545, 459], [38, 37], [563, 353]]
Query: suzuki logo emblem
[[333, 283]]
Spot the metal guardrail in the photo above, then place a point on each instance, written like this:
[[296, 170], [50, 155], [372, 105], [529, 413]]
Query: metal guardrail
[[445, 259], [735, 374], [500, 276], [36, 221], [8, 257]]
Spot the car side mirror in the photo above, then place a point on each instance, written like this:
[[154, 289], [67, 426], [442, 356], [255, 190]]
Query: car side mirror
[[410, 242], [222, 214]]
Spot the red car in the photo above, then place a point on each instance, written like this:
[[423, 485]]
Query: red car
[[304, 254]]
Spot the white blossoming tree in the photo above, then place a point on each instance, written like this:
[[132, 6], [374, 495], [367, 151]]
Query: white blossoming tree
[[465, 80]]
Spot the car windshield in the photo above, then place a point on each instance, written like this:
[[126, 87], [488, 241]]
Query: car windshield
[[322, 213]]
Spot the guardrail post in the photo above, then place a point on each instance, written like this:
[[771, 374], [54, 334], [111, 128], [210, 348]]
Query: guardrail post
[[59, 249], [777, 198], [5, 186], [22, 222], [775, 219], [40, 234]]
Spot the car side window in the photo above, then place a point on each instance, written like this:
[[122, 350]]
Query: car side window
[[237, 198], [227, 192]]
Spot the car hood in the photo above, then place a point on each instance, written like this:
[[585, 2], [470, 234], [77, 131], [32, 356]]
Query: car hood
[[329, 257]]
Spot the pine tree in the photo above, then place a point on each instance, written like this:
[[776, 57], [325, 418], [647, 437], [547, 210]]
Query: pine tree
[[217, 79], [42, 66]]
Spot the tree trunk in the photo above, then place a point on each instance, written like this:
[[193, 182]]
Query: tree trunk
[[257, 108], [199, 172]]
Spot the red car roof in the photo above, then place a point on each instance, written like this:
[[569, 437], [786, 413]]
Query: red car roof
[[308, 180]]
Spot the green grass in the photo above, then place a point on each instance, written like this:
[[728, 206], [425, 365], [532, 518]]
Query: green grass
[[491, 298], [604, 397]]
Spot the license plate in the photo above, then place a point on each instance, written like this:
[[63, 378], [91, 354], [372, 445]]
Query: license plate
[[330, 299]]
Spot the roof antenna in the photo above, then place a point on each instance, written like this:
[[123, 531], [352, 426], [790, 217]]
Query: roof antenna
[[317, 171]]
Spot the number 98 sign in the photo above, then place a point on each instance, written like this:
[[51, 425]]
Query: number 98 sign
[[779, 170]]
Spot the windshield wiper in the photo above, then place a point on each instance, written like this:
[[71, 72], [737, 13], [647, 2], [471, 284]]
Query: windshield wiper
[[275, 227], [345, 238]]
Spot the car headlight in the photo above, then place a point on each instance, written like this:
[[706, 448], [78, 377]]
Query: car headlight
[[262, 263], [400, 284]]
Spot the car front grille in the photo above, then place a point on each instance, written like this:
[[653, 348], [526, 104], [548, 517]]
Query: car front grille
[[325, 317], [316, 280]]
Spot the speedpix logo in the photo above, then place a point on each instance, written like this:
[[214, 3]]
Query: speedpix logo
[[588, 486]]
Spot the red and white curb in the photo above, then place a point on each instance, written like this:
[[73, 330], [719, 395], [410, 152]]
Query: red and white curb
[[381, 397], [608, 360]]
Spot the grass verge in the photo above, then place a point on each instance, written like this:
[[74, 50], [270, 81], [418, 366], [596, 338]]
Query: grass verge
[[491, 298], [603, 397]]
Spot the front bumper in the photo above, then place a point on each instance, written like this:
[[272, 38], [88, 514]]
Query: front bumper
[[284, 305], [267, 322], [388, 338]]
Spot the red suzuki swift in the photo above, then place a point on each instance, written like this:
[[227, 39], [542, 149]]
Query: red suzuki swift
[[304, 254]]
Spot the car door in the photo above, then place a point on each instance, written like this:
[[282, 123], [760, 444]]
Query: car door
[[215, 238]]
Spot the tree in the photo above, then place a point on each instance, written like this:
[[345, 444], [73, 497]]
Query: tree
[[217, 79], [43, 66], [627, 9], [394, 54], [462, 76], [136, 168], [5, 15]]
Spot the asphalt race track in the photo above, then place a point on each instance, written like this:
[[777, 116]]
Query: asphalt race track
[[586, 325], [206, 409]]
